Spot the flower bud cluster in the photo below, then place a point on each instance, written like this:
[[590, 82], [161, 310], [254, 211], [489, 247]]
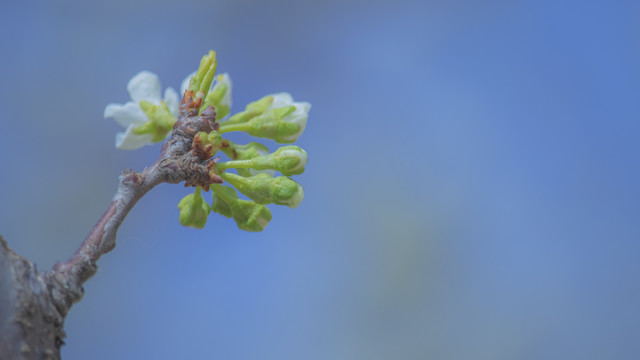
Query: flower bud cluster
[[150, 119]]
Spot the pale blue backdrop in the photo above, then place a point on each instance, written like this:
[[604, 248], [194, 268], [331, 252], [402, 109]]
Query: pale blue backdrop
[[472, 190]]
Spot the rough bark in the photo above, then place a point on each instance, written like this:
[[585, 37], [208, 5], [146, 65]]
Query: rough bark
[[34, 303]]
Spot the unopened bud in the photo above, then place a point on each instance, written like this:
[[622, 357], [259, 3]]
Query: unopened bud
[[264, 189], [283, 124], [288, 160], [193, 210]]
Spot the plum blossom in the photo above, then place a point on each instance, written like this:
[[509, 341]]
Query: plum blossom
[[145, 86]]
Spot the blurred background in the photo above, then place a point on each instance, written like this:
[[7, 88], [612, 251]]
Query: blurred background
[[472, 189]]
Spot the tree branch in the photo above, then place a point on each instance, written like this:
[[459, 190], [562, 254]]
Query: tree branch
[[34, 304]]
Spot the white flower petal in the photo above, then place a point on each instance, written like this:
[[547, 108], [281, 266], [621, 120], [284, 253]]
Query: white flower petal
[[281, 100], [129, 141], [125, 115], [296, 199], [298, 116], [171, 98], [185, 83], [145, 86], [302, 107]]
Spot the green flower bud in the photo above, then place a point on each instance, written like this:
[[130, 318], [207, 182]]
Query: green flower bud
[[284, 125], [283, 120], [264, 189], [248, 215], [193, 210], [289, 160], [160, 121]]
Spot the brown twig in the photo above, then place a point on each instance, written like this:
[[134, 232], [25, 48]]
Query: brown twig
[[33, 304]]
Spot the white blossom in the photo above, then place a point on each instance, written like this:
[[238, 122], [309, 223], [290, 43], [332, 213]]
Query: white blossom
[[144, 86]]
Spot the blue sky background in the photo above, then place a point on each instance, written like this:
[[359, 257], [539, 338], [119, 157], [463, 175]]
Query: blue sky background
[[472, 189]]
